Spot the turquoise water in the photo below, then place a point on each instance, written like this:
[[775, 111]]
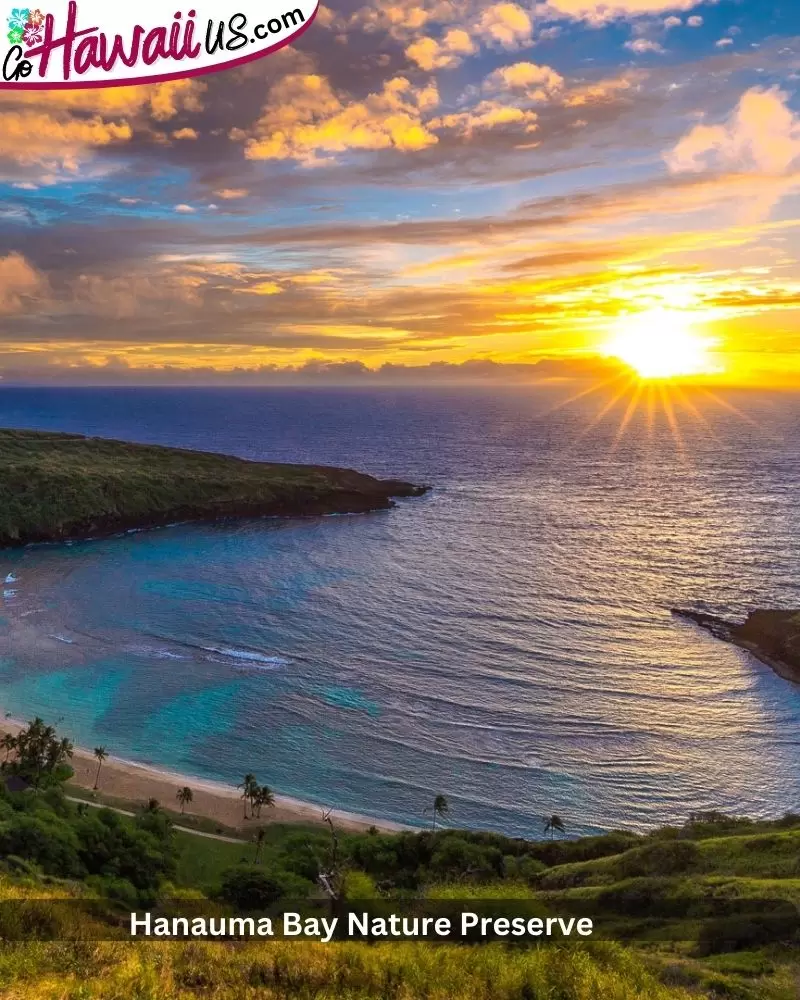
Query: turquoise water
[[505, 640]]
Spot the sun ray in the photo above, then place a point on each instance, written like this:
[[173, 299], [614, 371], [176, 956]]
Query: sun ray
[[666, 404], [633, 405], [606, 409], [587, 392], [690, 407], [726, 405]]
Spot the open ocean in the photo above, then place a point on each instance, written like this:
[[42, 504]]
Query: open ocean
[[505, 640]]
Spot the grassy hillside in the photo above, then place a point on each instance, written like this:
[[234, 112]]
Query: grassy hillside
[[55, 486], [705, 909], [627, 890]]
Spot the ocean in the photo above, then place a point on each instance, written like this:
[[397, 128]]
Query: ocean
[[505, 640]]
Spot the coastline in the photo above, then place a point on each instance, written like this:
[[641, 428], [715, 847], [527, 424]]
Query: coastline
[[213, 800]]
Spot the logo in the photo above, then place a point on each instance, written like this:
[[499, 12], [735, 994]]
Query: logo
[[96, 44]]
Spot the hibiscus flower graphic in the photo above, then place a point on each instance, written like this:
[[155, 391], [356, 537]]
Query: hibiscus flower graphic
[[18, 19], [35, 18], [32, 34], [15, 36]]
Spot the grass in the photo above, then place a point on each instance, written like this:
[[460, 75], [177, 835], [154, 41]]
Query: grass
[[305, 970], [689, 865], [55, 486], [202, 861]]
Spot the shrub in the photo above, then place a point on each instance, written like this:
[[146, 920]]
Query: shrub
[[45, 839], [743, 933], [249, 887]]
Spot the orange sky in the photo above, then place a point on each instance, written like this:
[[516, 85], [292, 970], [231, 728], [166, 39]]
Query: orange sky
[[418, 184]]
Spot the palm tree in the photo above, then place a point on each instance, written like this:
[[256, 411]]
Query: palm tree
[[261, 834], [440, 809], [152, 806], [552, 824], [101, 754], [262, 796], [8, 743], [248, 786], [184, 796]]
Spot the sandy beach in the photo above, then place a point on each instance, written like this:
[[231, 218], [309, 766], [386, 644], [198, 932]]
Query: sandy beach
[[136, 783]]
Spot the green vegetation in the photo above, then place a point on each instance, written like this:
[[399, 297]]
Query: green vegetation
[[55, 486], [709, 908]]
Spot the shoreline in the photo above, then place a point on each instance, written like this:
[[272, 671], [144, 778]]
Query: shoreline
[[213, 800]]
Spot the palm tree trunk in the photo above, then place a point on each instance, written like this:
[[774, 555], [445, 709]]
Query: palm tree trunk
[[97, 776]]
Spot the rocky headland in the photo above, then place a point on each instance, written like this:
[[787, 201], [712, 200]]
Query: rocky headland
[[55, 487], [773, 636]]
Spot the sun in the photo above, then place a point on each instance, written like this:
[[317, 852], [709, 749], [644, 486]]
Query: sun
[[661, 344]]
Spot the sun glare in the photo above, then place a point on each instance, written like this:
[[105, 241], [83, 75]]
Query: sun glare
[[661, 344]]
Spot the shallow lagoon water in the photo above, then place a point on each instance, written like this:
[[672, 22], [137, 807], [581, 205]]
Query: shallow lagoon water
[[505, 640]]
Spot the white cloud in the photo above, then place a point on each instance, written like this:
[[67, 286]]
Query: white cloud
[[601, 12], [643, 46], [762, 135]]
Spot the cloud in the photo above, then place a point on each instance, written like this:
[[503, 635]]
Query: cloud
[[306, 120], [642, 46], [722, 42], [672, 22], [185, 209], [601, 12], [429, 54], [536, 83], [762, 135], [231, 194], [486, 115], [185, 133], [61, 129], [20, 283], [505, 25], [115, 369], [35, 137]]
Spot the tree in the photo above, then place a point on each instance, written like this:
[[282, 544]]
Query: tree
[[552, 824], [101, 754], [260, 837], [249, 787], [184, 796], [152, 806], [440, 809], [262, 796], [8, 743], [41, 758], [250, 888]]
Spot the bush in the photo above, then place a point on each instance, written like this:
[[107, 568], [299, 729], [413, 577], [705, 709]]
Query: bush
[[249, 887], [743, 933], [45, 839], [112, 846]]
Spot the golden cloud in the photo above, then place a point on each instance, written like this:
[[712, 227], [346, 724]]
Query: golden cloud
[[306, 120], [536, 83], [506, 25], [429, 54], [19, 283]]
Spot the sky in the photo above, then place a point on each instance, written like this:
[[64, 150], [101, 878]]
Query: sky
[[420, 189]]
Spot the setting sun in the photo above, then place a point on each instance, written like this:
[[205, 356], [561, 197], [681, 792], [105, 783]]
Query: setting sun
[[660, 343]]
